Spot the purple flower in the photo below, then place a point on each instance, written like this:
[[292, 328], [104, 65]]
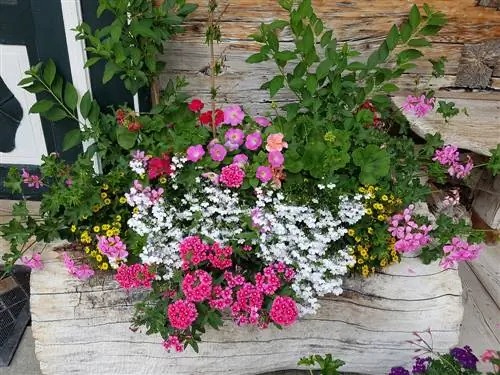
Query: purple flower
[[233, 115], [235, 136], [218, 152], [465, 357], [231, 146], [399, 371], [195, 153], [253, 141], [264, 174], [212, 143], [68, 182], [420, 365], [262, 121], [140, 156], [276, 159], [240, 159]]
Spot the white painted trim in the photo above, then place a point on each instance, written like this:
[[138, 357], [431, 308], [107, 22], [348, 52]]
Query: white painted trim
[[72, 17]]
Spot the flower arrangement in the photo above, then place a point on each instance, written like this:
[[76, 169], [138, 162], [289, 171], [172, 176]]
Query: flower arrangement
[[224, 213]]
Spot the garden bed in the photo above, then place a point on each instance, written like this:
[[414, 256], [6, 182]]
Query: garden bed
[[84, 328]]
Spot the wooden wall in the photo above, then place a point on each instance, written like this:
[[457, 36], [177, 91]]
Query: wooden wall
[[364, 23]]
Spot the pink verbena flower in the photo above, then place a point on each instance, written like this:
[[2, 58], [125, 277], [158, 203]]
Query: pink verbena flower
[[193, 251], [217, 152], [232, 176], [223, 298], [419, 106], [248, 303], [35, 262], [174, 343], [488, 355], [220, 257], [235, 136], [113, 247], [459, 251], [284, 311], [240, 160], [197, 286], [410, 236], [276, 159], [82, 272], [182, 314], [262, 121], [253, 141], [195, 153], [31, 180], [264, 174], [135, 276], [233, 115]]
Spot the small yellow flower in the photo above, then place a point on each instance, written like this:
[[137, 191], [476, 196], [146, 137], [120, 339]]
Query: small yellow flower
[[117, 225], [104, 266], [107, 201], [105, 187], [363, 253], [96, 229], [362, 190], [369, 211], [360, 261], [384, 197], [135, 210], [109, 232], [84, 217], [118, 217], [96, 208], [162, 180], [105, 227], [381, 217], [87, 249], [383, 262], [357, 239], [73, 228], [104, 195], [116, 232], [93, 253], [350, 232], [365, 271], [370, 230], [372, 257], [123, 200], [98, 257], [371, 189]]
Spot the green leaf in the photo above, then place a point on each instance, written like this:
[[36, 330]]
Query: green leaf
[[419, 42], [70, 96], [115, 30], [72, 139], [13, 181], [86, 105], [276, 84], [383, 52], [272, 41], [49, 72], [408, 55], [257, 58], [92, 61], [296, 83], [438, 66], [110, 70], [308, 39], [20, 209], [430, 30], [187, 9], [311, 83], [286, 4], [285, 55], [326, 38], [55, 114], [390, 87], [414, 17], [278, 24], [373, 162], [41, 106], [144, 27], [25, 81], [494, 162], [405, 30], [356, 65], [323, 68], [125, 138], [392, 38]]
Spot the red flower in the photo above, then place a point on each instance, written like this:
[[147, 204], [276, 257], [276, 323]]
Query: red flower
[[206, 117], [196, 105], [377, 120], [134, 127], [159, 167], [120, 116]]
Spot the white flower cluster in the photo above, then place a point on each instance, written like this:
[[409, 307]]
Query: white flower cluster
[[138, 166], [306, 239], [210, 211]]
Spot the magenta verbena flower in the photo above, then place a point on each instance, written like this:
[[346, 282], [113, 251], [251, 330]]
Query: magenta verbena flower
[[232, 176]]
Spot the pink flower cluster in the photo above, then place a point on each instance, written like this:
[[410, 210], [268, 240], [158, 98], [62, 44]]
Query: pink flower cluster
[[33, 181], [35, 262], [182, 314], [197, 286], [135, 276], [174, 343], [113, 247], [419, 106], [194, 251], [82, 272], [283, 311], [459, 251], [140, 195], [410, 236], [450, 157], [232, 176]]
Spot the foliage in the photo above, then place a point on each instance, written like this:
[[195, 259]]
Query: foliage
[[328, 365]]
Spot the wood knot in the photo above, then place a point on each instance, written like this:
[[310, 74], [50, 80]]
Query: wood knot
[[477, 64]]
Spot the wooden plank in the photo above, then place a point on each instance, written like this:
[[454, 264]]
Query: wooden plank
[[487, 271], [74, 324], [480, 328]]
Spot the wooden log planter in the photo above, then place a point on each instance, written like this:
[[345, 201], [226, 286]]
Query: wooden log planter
[[83, 328]]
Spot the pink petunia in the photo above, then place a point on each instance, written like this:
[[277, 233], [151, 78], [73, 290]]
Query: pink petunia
[[253, 141], [262, 121], [264, 174], [233, 115], [276, 159], [195, 153], [217, 152]]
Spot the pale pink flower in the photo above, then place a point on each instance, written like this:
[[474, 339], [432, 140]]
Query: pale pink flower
[[253, 141], [264, 174], [419, 106], [235, 136], [82, 272], [240, 160], [195, 153], [262, 121], [276, 159], [488, 355], [275, 142], [217, 152], [35, 262], [213, 177], [233, 115]]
